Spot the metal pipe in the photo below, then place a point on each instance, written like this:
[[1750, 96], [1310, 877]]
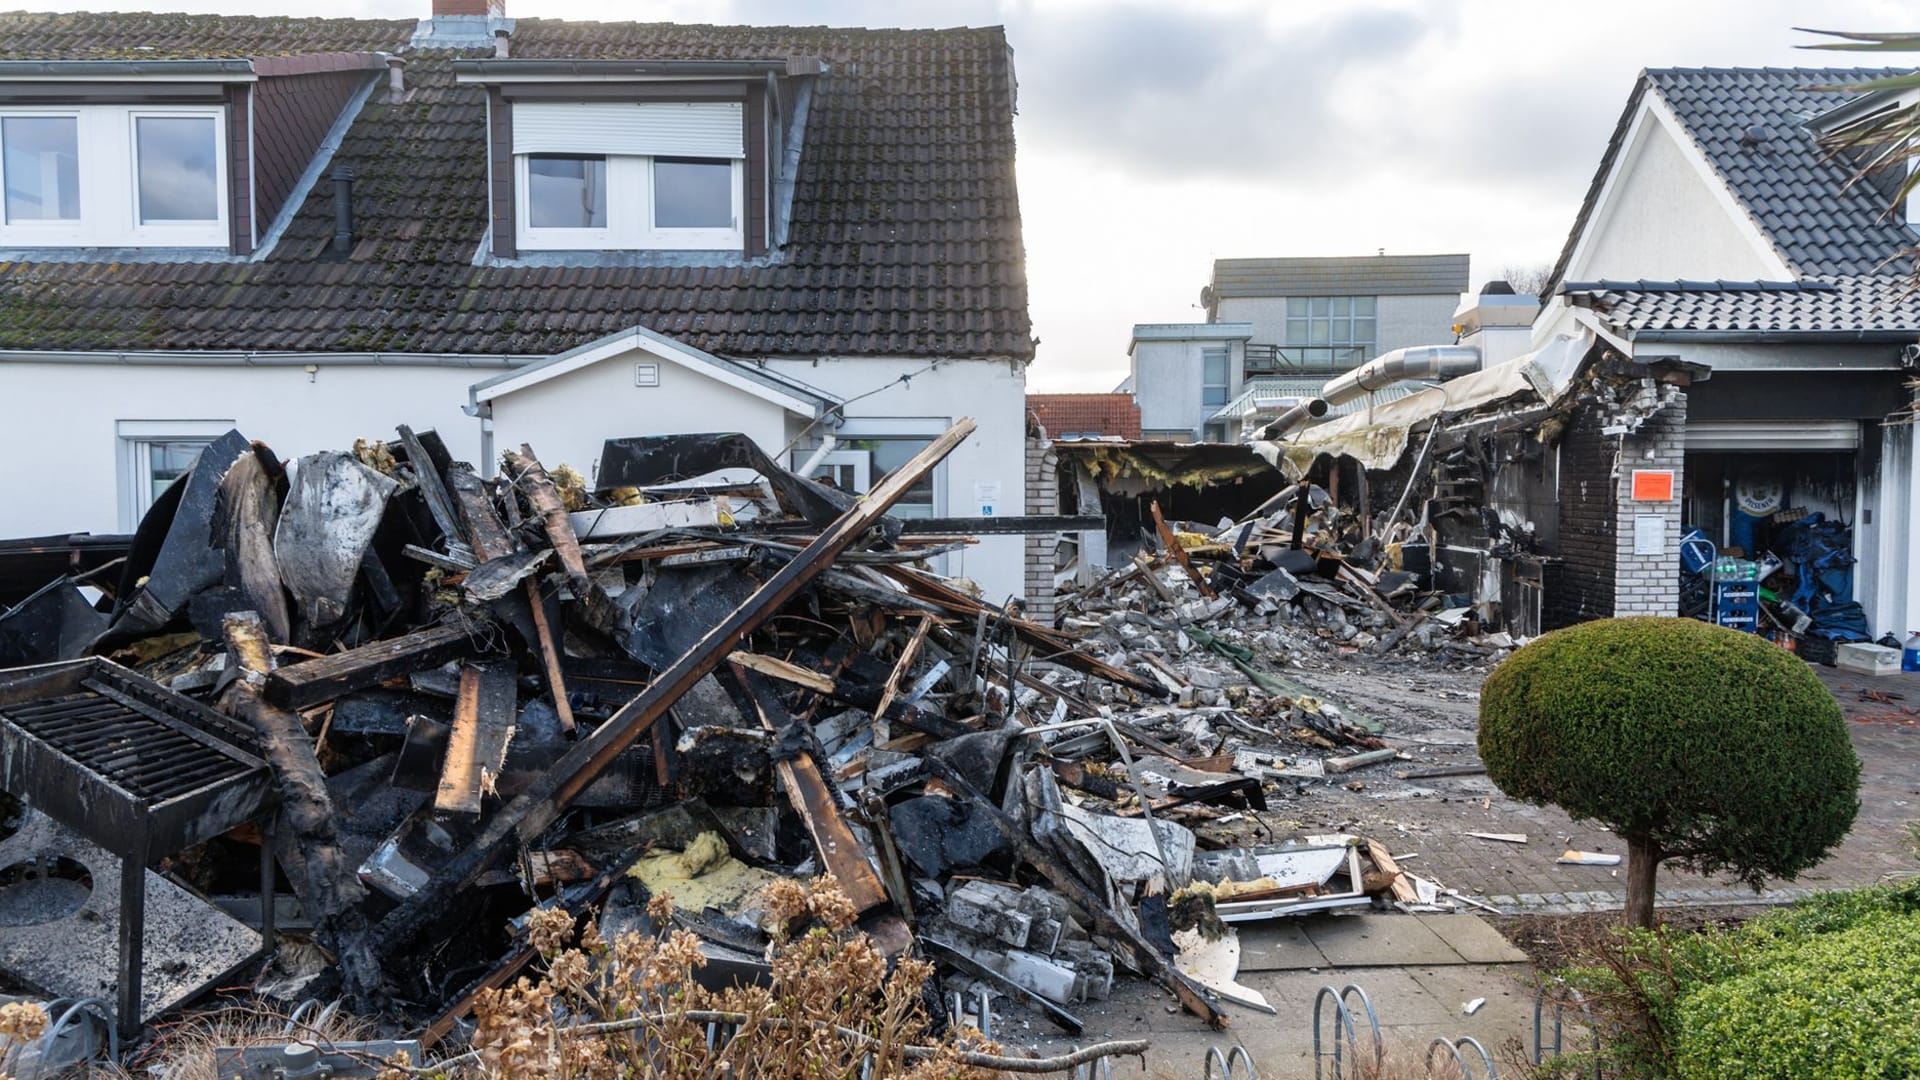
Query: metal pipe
[[1292, 418], [342, 212], [1418, 362]]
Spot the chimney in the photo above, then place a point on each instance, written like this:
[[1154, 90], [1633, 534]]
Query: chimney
[[342, 212], [495, 8], [500, 43], [396, 78]]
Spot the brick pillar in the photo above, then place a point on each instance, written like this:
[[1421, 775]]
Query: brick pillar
[[1043, 500], [1649, 584]]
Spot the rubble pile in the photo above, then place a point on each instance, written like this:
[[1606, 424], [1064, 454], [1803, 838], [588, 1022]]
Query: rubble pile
[[426, 703]]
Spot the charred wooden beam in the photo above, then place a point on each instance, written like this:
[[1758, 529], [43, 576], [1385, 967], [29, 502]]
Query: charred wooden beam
[[1177, 552], [527, 816], [483, 718], [324, 879], [317, 681], [531, 477], [1048, 645], [840, 853]]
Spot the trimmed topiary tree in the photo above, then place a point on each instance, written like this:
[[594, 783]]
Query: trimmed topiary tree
[[1705, 746]]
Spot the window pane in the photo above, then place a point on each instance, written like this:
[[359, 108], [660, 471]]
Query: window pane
[[692, 194], [40, 156], [1296, 307], [566, 192], [1363, 331], [1213, 365], [177, 166], [1319, 332], [1296, 331], [1363, 305], [1213, 397], [1322, 305], [168, 461]]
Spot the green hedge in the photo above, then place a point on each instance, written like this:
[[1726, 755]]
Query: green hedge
[[1843, 1004], [1699, 993]]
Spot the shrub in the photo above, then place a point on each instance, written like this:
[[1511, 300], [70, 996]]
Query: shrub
[[1841, 1004], [1641, 983], [1695, 743]]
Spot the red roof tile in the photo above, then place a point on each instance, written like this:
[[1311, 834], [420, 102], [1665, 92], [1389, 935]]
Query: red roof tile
[[1082, 414]]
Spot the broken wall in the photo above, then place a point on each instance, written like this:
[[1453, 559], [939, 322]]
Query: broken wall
[[1043, 500]]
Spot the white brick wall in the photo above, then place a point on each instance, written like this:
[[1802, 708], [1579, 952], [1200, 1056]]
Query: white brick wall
[[1650, 584], [1043, 500]]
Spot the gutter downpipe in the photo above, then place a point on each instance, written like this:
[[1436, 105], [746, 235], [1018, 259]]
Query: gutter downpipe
[[1415, 362]]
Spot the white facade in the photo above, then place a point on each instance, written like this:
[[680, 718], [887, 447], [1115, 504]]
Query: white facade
[[80, 426], [1168, 375]]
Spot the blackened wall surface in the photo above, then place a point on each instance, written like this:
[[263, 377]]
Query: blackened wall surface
[[1580, 585]]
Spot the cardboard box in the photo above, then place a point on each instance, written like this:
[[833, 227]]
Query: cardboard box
[[1867, 659]]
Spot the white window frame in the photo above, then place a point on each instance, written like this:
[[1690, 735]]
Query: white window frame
[[1225, 387], [110, 186], [136, 475], [630, 221]]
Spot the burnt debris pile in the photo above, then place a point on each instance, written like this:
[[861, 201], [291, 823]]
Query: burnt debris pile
[[334, 728]]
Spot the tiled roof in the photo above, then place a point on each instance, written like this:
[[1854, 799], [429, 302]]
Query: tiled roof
[[905, 237], [1849, 305], [1076, 414], [1751, 126], [1359, 275]]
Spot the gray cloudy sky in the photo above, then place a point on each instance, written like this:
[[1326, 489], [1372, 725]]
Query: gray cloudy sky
[[1155, 137]]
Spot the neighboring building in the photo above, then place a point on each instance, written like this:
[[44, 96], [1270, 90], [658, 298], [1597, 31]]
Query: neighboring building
[[511, 230], [1182, 373], [1720, 235], [1085, 416], [1277, 329], [1327, 315]]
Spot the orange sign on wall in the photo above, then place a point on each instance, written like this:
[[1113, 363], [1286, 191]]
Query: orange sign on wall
[[1653, 485]]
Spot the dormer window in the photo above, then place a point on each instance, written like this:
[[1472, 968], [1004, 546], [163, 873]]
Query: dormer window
[[658, 176], [641, 159], [113, 176]]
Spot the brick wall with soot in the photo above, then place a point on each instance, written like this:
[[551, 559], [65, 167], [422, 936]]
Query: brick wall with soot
[[1580, 584]]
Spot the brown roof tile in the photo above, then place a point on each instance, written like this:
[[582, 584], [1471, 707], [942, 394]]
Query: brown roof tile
[[905, 236], [1078, 414]]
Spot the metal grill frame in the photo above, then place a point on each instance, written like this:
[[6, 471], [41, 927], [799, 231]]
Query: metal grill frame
[[72, 792], [139, 831]]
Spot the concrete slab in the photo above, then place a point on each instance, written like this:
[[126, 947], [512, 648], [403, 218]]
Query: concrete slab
[[1379, 941], [1473, 938], [1277, 945]]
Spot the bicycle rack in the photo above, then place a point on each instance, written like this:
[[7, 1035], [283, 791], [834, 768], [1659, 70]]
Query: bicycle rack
[[1344, 1015], [1227, 1061], [1086, 1071], [316, 1022], [1453, 1048], [1543, 1050], [65, 1011], [982, 1014]]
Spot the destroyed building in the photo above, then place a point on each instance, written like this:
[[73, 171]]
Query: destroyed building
[[1722, 237], [814, 239]]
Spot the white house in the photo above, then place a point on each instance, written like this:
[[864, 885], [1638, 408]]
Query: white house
[[508, 230], [1720, 233]]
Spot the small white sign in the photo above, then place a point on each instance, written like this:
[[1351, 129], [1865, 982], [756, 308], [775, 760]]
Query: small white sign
[[986, 495], [1649, 534], [646, 374]]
